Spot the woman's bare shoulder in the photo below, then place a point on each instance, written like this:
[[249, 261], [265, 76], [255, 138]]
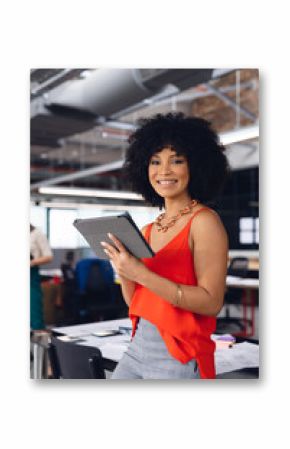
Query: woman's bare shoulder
[[204, 212], [207, 223]]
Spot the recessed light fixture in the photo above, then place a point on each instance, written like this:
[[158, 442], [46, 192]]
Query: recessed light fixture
[[239, 135], [105, 207], [95, 193]]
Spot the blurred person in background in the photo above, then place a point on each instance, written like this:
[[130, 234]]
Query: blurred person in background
[[40, 254]]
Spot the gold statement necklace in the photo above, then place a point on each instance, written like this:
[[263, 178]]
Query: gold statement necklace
[[171, 221]]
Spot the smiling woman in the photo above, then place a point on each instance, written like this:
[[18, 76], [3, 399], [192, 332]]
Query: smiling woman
[[168, 172], [175, 162], [190, 137]]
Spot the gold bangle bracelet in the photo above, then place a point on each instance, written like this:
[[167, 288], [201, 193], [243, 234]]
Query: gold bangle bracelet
[[178, 296]]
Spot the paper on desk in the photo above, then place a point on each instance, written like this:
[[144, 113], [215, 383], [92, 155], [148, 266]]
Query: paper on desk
[[223, 337], [114, 351], [223, 341], [241, 355]]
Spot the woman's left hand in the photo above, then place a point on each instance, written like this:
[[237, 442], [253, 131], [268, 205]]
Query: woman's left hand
[[124, 263]]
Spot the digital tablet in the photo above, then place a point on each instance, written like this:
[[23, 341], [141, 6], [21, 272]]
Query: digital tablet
[[95, 230]]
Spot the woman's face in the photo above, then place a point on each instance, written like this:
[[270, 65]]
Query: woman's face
[[168, 173]]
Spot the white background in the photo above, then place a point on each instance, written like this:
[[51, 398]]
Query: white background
[[208, 414]]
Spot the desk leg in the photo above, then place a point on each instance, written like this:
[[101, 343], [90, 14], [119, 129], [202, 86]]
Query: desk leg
[[253, 312], [245, 311], [38, 354], [243, 333], [39, 344], [248, 302]]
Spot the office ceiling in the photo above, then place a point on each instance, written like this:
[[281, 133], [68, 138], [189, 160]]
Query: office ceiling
[[81, 118]]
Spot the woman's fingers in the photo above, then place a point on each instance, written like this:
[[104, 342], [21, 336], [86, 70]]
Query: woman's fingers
[[109, 249], [117, 243]]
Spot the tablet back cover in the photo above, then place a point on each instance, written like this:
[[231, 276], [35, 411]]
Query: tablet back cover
[[95, 230]]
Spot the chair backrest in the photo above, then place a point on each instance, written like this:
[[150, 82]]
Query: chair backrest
[[72, 361], [238, 266], [96, 280], [94, 273]]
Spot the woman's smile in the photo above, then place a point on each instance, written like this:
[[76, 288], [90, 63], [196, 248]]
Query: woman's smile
[[168, 172], [166, 182]]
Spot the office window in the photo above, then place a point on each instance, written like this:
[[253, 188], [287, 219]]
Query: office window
[[62, 233], [38, 216], [90, 213], [249, 230], [144, 217], [257, 231]]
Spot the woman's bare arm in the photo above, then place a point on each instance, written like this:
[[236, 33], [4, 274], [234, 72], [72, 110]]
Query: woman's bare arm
[[210, 252], [41, 261]]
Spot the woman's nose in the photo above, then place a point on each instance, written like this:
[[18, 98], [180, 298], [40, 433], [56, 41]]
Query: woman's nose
[[165, 168]]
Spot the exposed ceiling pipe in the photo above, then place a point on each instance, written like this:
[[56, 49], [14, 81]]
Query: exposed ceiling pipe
[[231, 102], [166, 94], [52, 81], [198, 93], [227, 138], [77, 105], [79, 174]]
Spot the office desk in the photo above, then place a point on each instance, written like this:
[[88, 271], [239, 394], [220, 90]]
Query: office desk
[[50, 272], [250, 286], [237, 282], [112, 347], [243, 356]]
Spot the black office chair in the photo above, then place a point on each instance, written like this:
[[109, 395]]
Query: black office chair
[[69, 360], [233, 296], [238, 267], [100, 300]]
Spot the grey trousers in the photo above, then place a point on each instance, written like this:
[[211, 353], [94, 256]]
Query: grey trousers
[[148, 358]]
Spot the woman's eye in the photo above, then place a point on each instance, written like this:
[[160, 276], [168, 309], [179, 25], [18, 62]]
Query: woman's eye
[[178, 161], [173, 161]]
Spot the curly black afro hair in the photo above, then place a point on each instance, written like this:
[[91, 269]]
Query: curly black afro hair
[[189, 136]]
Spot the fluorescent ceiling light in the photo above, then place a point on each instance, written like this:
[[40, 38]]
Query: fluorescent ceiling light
[[239, 135], [107, 207], [110, 135], [95, 193], [119, 125]]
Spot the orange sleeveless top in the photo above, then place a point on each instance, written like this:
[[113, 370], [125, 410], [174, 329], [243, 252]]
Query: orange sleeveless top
[[186, 334]]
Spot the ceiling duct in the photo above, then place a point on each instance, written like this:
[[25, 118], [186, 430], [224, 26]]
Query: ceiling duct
[[47, 127], [155, 79], [78, 105], [107, 91], [102, 93]]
